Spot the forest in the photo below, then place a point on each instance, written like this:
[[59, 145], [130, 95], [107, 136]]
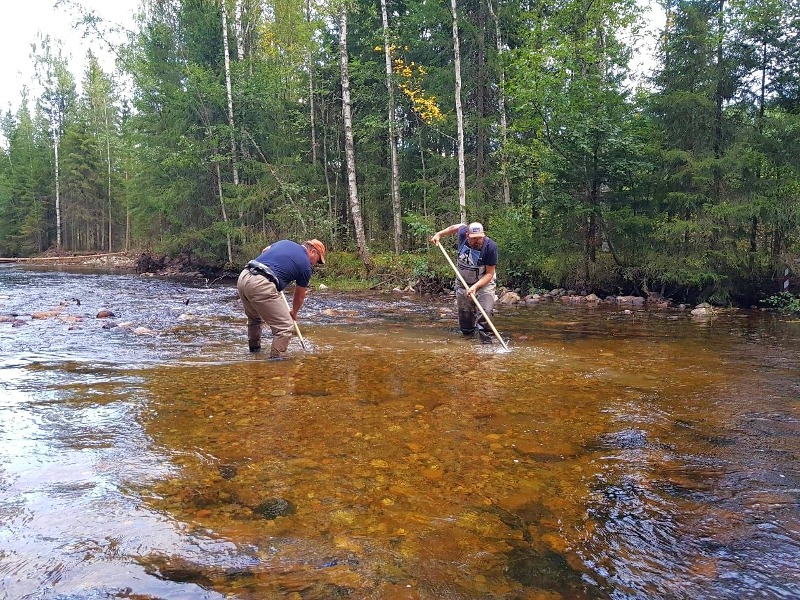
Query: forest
[[370, 125]]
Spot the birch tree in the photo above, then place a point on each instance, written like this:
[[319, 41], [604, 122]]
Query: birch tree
[[57, 99], [462, 180], [395, 183], [501, 106], [229, 92], [352, 187], [311, 108]]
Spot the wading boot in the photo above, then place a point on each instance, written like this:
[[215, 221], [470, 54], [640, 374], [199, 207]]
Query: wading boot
[[254, 346], [485, 337]]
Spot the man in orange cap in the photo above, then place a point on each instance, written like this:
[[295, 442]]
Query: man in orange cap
[[261, 283]]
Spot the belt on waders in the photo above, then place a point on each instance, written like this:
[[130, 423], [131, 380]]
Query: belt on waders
[[257, 268]]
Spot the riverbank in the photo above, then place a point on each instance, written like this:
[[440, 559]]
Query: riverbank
[[142, 263], [419, 273], [121, 260]]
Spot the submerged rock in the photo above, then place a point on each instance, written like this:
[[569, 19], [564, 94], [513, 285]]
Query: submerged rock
[[274, 508], [143, 331], [545, 571], [228, 471], [702, 310], [509, 298]]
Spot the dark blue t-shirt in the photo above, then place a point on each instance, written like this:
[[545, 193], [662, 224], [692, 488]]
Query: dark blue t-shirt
[[289, 261]]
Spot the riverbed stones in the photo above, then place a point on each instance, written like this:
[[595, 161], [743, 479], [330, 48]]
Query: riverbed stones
[[105, 314]]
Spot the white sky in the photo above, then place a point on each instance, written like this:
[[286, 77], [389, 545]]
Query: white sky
[[24, 19], [642, 62]]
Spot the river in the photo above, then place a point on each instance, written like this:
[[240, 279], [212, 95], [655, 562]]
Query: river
[[606, 454]]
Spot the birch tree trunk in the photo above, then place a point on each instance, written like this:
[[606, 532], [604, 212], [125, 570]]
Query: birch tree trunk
[[310, 67], [58, 190], [224, 213], [462, 179], [108, 171], [395, 184], [501, 106], [229, 91], [355, 207], [240, 33]]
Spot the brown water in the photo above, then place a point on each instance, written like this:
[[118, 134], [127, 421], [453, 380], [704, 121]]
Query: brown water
[[606, 455]]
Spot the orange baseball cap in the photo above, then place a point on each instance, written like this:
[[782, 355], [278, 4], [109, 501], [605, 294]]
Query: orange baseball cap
[[319, 247]]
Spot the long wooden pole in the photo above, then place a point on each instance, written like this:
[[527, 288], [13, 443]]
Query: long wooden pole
[[466, 287], [296, 327]]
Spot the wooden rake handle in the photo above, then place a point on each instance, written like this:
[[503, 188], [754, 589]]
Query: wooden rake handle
[[296, 326]]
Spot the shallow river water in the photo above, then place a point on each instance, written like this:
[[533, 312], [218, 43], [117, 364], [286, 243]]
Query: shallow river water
[[647, 454]]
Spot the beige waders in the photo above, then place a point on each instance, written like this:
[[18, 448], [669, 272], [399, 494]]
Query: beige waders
[[263, 304]]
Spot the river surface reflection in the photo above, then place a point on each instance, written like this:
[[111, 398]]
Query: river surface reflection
[[606, 455]]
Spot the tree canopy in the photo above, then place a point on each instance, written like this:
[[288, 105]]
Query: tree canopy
[[232, 129]]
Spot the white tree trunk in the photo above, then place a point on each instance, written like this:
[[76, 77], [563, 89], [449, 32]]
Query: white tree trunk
[[127, 219], [224, 213], [355, 206], [58, 191], [108, 171], [396, 205], [462, 179], [310, 67], [501, 105], [229, 91], [239, 30]]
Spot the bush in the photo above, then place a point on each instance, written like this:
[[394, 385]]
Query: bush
[[784, 302], [345, 271]]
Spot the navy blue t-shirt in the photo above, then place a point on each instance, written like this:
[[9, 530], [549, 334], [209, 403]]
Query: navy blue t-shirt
[[289, 261]]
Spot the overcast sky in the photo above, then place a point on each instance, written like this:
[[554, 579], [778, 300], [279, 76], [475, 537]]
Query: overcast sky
[[24, 19]]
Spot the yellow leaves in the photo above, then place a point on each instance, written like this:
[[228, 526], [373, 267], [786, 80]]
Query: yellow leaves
[[410, 77]]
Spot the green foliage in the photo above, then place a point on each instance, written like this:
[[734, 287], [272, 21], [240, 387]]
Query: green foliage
[[419, 227], [345, 271], [690, 188], [784, 302]]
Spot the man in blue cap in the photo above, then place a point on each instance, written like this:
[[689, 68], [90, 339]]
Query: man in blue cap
[[477, 264], [261, 284]]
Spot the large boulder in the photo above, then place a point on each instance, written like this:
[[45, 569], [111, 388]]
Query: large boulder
[[703, 309], [509, 298]]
